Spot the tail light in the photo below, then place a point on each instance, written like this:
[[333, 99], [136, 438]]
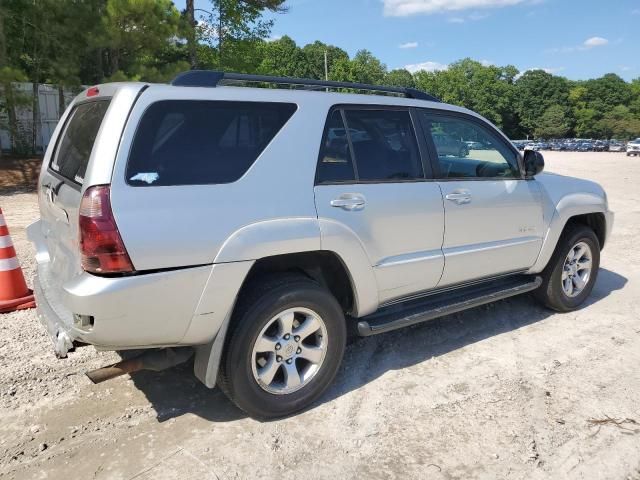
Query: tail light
[[101, 245]]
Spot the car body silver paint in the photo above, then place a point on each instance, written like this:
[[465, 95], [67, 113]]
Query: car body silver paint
[[406, 240], [218, 295], [397, 219], [338, 238], [500, 213], [562, 198]]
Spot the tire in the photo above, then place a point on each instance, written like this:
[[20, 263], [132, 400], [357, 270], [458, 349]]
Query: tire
[[552, 293], [267, 304]]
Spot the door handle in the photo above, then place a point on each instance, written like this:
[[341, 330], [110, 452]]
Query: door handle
[[349, 202], [459, 197]]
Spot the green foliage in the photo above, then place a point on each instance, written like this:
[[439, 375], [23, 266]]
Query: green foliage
[[554, 123], [363, 68], [314, 59], [79, 42], [486, 89], [537, 91], [236, 23], [399, 78], [282, 57]]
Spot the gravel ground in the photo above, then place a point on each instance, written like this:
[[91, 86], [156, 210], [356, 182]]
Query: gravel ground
[[509, 390]]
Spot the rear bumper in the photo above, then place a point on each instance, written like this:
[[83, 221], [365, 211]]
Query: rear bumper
[[142, 311], [178, 307], [59, 330]]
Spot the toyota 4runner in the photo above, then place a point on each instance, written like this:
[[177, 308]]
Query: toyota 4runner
[[256, 227]]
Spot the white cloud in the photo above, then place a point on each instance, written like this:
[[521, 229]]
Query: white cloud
[[486, 63], [473, 17], [403, 8], [588, 44], [595, 42], [274, 38], [427, 66], [478, 16], [408, 45]]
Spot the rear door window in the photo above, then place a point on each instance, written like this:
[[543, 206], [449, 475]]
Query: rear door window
[[75, 145], [335, 164], [186, 142]]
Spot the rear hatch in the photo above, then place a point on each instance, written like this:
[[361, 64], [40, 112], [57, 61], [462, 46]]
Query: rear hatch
[[61, 183], [82, 153]]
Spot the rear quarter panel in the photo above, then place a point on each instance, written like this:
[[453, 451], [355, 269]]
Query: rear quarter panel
[[172, 226]]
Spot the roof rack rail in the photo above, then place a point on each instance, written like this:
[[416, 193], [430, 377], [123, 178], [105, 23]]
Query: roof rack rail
[[212, 78]]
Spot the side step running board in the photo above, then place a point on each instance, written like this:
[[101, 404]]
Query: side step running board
[[440, 304]]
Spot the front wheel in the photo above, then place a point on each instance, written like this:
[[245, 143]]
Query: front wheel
[[571, 273], [285, 348]]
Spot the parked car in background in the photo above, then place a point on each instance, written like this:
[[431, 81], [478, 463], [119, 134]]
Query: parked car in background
[[519, 144], [617, 146], [601, 146], [448, 145], [633, 147], [472, 145]]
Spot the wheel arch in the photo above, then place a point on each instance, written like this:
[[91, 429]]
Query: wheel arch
[[324, 266], [595, 217]]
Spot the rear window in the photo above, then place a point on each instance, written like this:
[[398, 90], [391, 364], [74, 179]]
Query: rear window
[[186, 142], [75, 145]]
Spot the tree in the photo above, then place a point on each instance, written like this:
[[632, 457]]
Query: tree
[[487, 89], [536, 91], [553, 123], [618, 123], [634, 104], [135, 30], [191, 33], [606, 92], [282, 57], [314, 55], [399, 78], [363, 68], [233, 21]]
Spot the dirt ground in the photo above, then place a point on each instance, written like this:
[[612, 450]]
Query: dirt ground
[[509, 390]]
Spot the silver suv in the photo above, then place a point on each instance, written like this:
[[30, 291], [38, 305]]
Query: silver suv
[[257, 226]]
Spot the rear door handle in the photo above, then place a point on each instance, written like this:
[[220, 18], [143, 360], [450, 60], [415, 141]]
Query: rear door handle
[[349, 201], [459, 197]]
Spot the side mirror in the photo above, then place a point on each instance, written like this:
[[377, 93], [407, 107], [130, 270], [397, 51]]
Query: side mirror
[[533, 163]]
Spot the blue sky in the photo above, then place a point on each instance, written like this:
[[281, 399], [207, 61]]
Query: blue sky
[[578, 39]]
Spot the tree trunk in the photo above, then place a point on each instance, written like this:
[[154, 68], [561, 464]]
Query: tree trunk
[[11, 113], [61, 102], [220, 33], [35, 110], [114, 60], [99, 65], [191, 37], [3, 43]]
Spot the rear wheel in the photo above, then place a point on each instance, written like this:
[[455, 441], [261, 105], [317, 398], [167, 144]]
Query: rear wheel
[[285, 348], [572, 271]]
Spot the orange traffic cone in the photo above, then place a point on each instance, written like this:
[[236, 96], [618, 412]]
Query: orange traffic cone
[[14, 293]]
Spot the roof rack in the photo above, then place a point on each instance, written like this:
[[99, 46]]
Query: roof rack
[[212, 78]]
